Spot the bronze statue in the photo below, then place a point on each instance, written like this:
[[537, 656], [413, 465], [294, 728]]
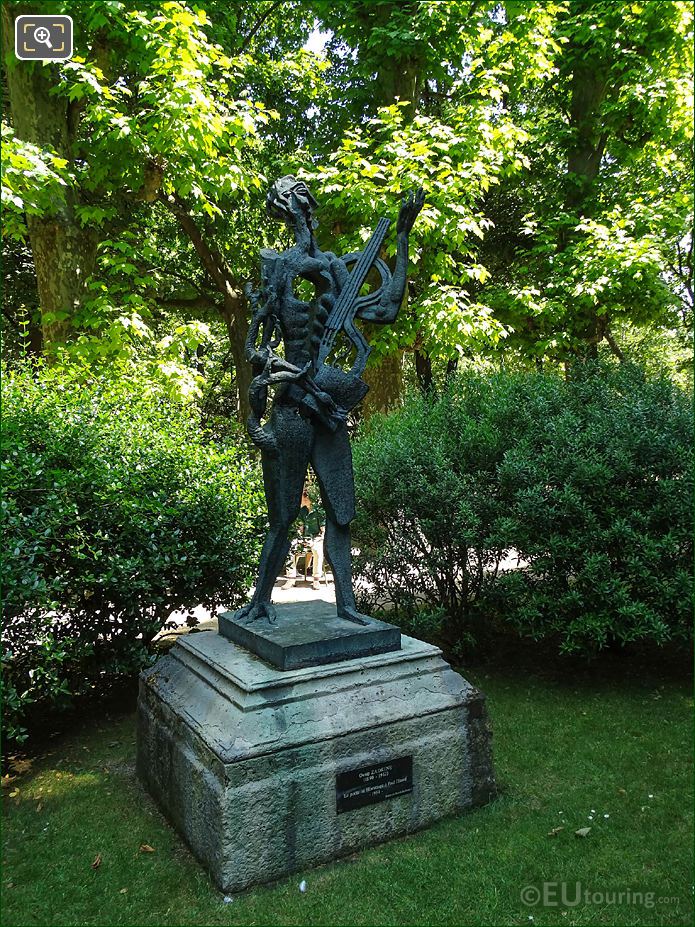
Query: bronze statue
[[307, 423]]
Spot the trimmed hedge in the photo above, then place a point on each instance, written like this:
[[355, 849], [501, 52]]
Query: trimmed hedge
[[115, 513], [588, 481]]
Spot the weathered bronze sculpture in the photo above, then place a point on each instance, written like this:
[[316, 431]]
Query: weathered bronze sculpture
[[313, 397], [283, 743]]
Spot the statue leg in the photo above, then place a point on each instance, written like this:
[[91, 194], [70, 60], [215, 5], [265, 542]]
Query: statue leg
[[338, 553], [332, 463], [283, 481]]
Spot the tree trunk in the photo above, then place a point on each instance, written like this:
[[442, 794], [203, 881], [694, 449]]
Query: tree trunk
[[613, 344], [234, 313], [385, 381], [64, 257], [398, 78], [589, 86], [423, 370], [64, 253], [401, 82]]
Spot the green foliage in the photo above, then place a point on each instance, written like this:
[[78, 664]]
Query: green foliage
[[156, 110], [428, 523], [554, 143], [174, 113], [119, 321], [660, 352], [116, 513], [553, 140], [455, 162], [596, 232], [32, 182], [456, 150], [587, 482]]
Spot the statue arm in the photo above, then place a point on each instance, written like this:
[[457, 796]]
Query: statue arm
[[386, 310], [255, 353], [263, 317]]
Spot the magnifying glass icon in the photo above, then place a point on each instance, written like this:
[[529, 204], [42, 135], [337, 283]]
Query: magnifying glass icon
[[42, 35]]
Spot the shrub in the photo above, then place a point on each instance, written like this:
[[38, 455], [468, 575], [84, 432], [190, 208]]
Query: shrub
[[587, 481], [116, 513]]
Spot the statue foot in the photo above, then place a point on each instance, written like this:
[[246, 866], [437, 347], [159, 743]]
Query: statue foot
[[351, 614], [257, 610]]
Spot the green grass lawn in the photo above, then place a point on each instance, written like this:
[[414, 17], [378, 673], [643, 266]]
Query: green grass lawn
[[564, 749]]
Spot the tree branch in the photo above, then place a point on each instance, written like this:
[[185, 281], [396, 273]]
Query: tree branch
[[190, 303], [212, 260], [247, 41], [613, 344], [12, 319]]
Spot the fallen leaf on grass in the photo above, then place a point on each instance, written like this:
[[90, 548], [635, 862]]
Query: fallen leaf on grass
[[39, 807], [555, 831], [20, 766], [97, 861], [146, 848], [582, 832], [622, 792], [123, 891]]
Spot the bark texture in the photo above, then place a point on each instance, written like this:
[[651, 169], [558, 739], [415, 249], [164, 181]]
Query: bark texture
[[385, 382], [589, 86], [64, 252]]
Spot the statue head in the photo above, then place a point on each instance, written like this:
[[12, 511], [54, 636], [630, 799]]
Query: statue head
[[286, 196]]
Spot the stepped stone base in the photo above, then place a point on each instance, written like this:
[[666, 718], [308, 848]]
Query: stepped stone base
[[266, 772], [309, 634]]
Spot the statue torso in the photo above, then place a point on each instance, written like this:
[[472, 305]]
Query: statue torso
[[302, 316]]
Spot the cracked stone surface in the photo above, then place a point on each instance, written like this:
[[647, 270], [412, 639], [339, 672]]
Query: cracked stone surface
[[243, 757]]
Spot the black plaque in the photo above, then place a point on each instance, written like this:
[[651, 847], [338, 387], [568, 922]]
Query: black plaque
[[370, 784]]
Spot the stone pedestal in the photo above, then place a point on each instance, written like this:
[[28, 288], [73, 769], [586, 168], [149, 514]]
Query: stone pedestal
[[266, 772], [309, 634]]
